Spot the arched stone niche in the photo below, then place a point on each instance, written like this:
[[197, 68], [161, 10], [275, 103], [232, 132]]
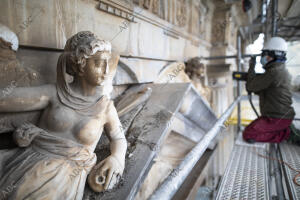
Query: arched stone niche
[[124, 75], [173, 73]]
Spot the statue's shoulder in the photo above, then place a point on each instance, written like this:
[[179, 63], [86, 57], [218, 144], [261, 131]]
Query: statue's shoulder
[[49, 89]]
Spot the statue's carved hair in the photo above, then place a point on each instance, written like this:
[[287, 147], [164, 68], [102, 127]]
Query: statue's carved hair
[[193, 65], [81, 46]]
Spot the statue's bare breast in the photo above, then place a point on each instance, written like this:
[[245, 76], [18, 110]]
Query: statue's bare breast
[[66, 122]]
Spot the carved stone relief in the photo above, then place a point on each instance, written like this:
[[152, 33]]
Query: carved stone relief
[[136, 1], [189, 15], [219, 30], [181, 12], [146, 4], [195, 22], [155, 6]]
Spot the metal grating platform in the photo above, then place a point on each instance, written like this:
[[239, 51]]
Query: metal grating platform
[[245, 176], [291, 154]]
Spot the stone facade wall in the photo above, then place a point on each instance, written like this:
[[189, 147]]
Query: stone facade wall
[[170, 29], [166, 29], [156, 29]]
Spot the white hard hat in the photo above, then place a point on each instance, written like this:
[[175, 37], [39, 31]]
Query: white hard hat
[[276, 44]]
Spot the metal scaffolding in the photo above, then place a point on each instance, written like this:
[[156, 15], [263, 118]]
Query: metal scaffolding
[[172, 183]]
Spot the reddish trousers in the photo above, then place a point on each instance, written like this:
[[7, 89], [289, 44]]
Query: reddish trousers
[[266, 129]]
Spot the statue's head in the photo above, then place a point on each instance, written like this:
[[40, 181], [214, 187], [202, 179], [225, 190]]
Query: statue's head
[[90, 58], [194, 68]]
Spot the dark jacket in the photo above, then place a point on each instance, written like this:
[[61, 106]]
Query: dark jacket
[[274, 90]]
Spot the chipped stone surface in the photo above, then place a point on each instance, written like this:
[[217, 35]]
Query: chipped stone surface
[[14, 74], [145, 135]]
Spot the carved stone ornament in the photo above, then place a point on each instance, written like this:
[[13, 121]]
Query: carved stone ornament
[[146, 4], [181, 12], [56, 155], [155, 8]]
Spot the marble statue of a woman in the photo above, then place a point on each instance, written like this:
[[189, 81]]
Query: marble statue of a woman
[[56, 155]]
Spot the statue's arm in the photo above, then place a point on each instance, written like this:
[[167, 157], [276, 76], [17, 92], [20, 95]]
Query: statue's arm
[[115, 133], [111, 168], [22, 99]]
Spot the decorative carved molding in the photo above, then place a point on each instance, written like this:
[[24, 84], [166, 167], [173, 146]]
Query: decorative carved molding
[[162, 9], [168, 33], [111, 9]]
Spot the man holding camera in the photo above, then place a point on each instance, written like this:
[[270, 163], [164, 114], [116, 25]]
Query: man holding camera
[[275, 96]]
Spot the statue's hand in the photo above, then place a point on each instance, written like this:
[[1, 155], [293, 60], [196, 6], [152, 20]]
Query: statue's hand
[[24, 135], [106, 174]]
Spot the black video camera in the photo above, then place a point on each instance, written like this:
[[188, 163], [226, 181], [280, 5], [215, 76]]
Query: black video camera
[[242, 76]]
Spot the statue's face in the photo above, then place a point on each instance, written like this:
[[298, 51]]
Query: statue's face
[[199, 72], [96, 71]]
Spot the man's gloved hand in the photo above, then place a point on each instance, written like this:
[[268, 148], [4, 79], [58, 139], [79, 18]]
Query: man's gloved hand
[[252, 62], [251, 71]]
